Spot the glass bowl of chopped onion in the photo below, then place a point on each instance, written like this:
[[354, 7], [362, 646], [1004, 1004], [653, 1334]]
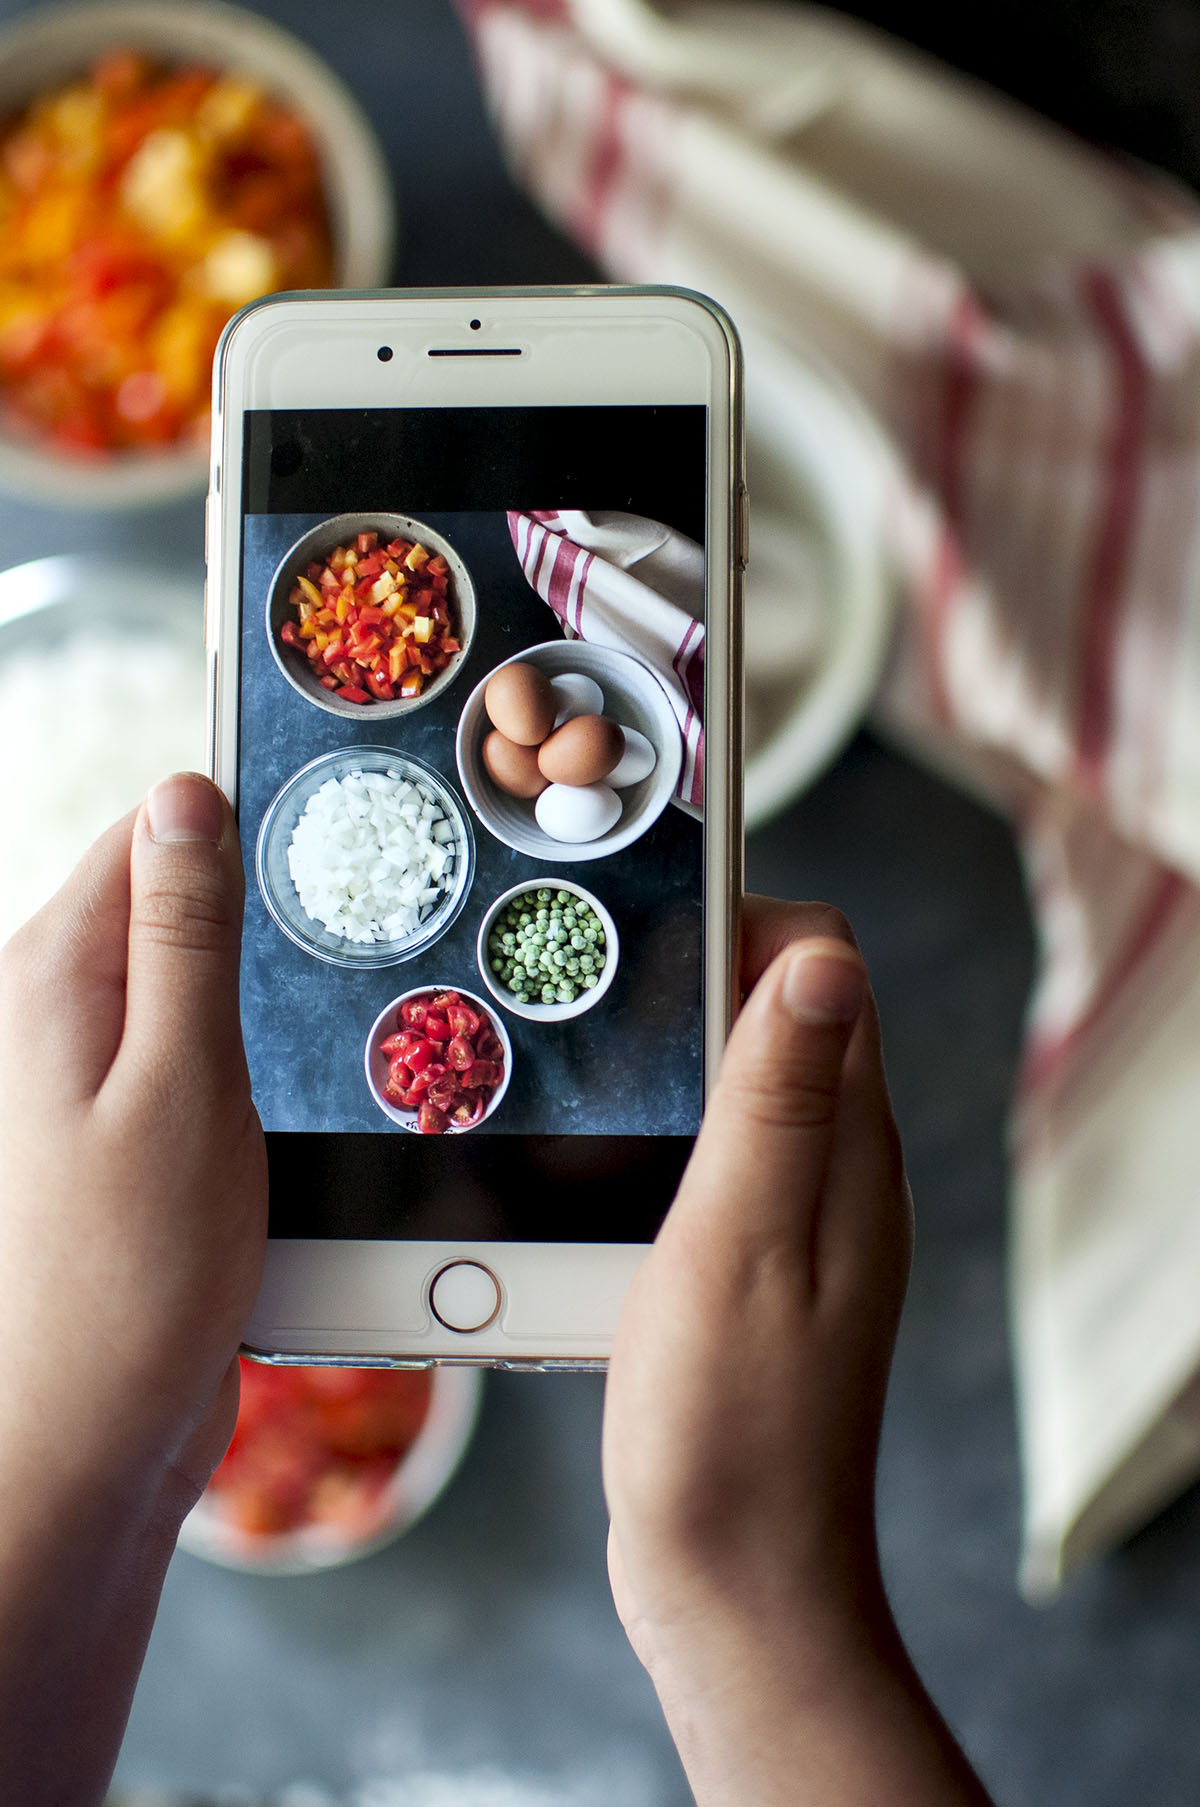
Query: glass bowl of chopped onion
[[365, 857]]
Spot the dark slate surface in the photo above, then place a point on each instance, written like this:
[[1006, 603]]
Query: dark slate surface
[[630, 1065]]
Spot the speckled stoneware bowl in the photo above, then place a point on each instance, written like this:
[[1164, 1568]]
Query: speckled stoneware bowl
[[316, 545]]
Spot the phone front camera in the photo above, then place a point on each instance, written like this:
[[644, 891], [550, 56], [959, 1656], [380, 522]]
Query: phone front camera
[[475, 325], [384, 354]]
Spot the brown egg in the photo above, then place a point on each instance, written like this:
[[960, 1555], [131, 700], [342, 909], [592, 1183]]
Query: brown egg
[[582, 751], [520, 702], [513, 768]]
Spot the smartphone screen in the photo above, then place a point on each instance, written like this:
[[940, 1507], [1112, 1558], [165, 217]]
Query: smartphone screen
[[406, 911]]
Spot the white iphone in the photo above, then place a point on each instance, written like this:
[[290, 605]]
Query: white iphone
[[473, 580]]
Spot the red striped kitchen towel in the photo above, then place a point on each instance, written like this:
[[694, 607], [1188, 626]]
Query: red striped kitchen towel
[[623, 581], [1022, 317]]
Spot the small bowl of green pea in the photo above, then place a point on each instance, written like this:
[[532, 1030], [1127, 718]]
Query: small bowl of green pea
[[547, 950]]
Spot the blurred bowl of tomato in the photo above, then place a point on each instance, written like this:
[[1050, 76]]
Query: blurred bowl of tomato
[[160, 167], [328, 1464]]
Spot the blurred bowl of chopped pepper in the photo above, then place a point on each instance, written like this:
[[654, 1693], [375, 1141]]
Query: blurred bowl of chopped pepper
[[329, 1463], [160, 166]]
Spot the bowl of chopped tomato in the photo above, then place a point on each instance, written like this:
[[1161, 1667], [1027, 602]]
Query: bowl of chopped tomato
[[160, 166], [371, 614], [328, 1464], [438, 1061]]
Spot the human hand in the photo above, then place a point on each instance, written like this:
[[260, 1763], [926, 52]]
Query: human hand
[[744, 1401], [132, 1231], [134, 1179]]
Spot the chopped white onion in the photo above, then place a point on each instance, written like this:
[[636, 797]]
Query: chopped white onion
[[371, 855]]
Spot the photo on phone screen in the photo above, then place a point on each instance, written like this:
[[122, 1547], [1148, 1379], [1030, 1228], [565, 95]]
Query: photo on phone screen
[[470, 795]]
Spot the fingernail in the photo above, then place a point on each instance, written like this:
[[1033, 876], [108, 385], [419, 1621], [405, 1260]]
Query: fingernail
[[821, 987], [185, 808]]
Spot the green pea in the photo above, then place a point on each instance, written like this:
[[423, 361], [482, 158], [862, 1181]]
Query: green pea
[[590, 981]]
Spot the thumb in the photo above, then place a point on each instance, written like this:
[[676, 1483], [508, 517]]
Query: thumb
[[768, 1131], [185, 916]]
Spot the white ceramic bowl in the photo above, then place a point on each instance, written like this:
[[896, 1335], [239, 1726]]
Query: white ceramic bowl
[[824, 475], [52, 44], [549, 1013], [633, 697], [388, 1022], [275, 880], [420, 1476], [317, 543]]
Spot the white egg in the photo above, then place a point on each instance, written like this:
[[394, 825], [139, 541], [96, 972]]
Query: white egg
[[576, 695], [636, 762], [577, 812]]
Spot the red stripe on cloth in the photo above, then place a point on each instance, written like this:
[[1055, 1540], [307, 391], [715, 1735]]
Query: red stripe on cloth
[[472, 11], [540, 543], [607, 159], [935, 611], [962, 372], [562, 569], [696, 793], [1118, 522], [518, 533], [965, 327], [688, 665], [581, 592], [1046, 1060]]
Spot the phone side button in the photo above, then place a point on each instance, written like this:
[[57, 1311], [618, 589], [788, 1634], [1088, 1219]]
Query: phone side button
[[464, 1295]]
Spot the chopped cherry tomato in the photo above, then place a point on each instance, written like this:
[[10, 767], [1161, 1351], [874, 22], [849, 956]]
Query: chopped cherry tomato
[[419, 1056], [446, 1066], [444, 1091]]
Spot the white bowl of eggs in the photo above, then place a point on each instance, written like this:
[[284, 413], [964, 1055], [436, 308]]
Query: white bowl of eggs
[[569, 750]]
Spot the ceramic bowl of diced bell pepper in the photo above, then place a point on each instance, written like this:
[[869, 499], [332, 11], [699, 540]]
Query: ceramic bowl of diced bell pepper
[[371, 614], [161, 165]]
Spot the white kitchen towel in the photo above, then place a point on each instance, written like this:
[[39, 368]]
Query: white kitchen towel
[[1021, 315]]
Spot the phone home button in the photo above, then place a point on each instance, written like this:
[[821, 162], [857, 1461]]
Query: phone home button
[[464, 1295]]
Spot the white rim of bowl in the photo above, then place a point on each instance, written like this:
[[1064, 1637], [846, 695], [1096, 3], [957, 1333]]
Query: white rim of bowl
[[550, 1013], [407, 1119], [364, 962], [420, 1477], [378, 709]]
